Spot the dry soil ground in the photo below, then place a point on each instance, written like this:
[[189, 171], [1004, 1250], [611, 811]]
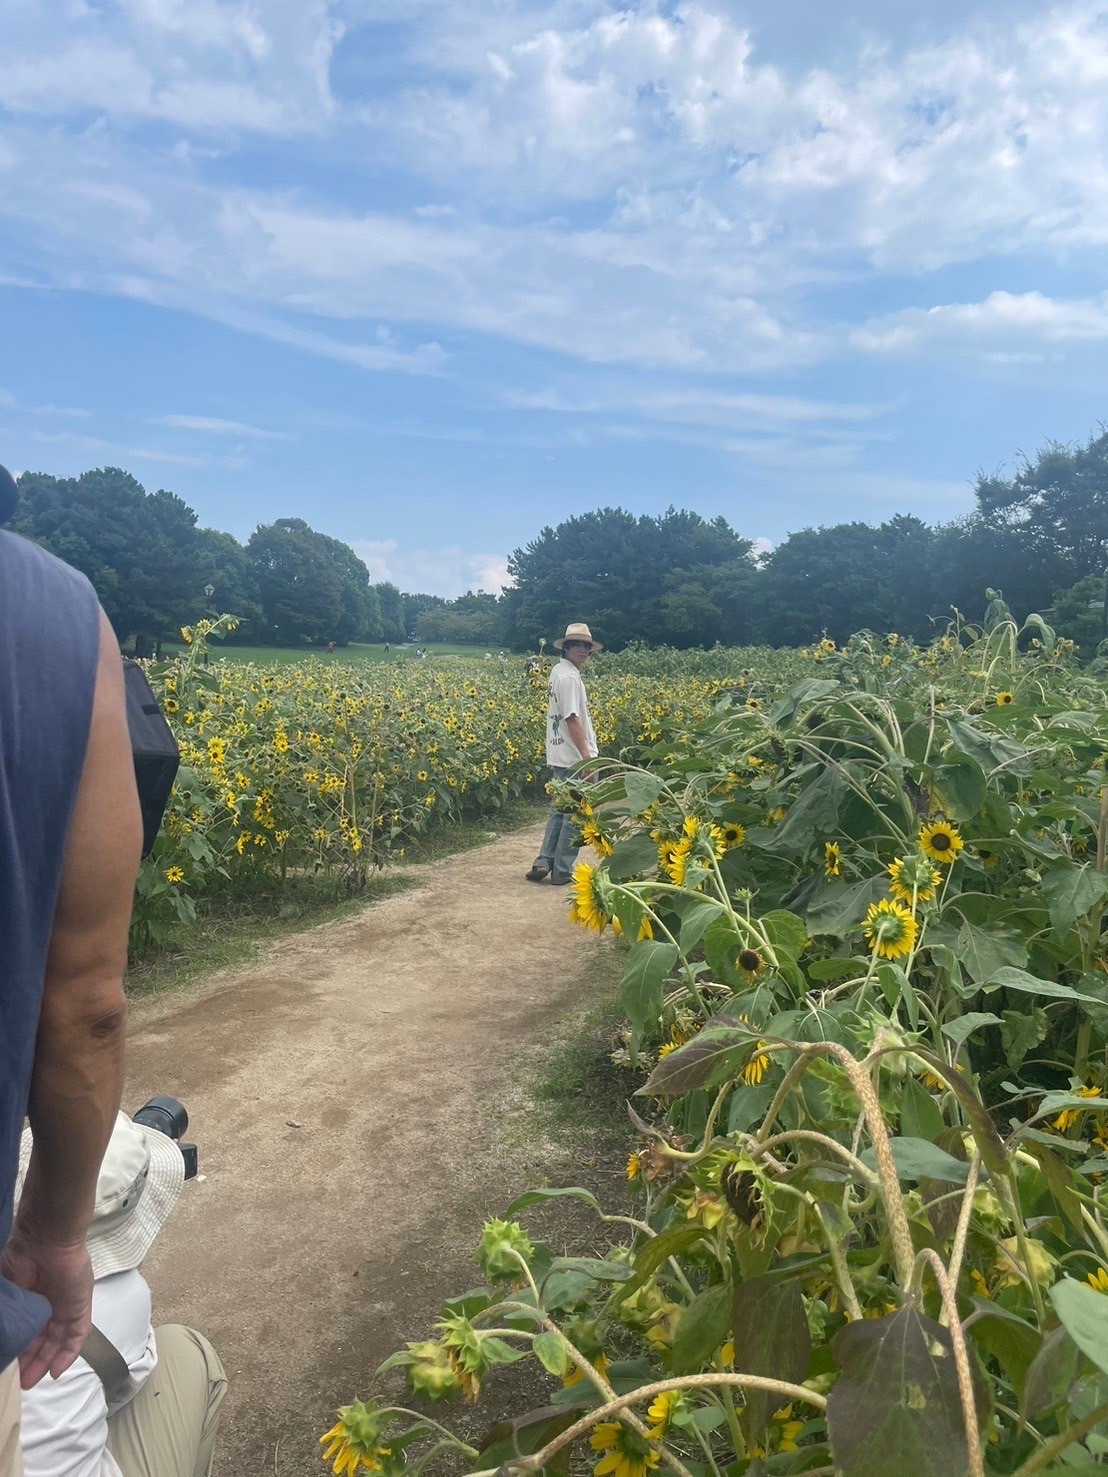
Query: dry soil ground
[[358, 1115]]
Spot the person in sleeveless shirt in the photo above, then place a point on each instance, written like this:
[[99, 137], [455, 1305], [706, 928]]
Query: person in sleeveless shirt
[[70, 838]]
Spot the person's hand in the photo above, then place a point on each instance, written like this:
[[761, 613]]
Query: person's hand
[[62, 1274]]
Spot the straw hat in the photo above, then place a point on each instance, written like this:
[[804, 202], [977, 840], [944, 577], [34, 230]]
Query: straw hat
[[578, 631], [140, 1179]]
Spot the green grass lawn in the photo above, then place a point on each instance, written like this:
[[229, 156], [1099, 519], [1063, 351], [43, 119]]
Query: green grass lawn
[[355, 652]]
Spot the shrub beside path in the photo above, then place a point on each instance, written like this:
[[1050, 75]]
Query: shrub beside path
[[349, 1093]]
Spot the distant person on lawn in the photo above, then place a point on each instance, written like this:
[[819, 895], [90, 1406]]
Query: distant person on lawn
[[570, 737]]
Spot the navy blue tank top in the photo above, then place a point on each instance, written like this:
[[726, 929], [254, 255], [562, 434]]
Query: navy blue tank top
[[49, 645]]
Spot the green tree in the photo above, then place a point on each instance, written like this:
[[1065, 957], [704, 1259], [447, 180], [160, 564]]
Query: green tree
[[360, 617], [300, 585], [473, 618], [1058, 507], [392, 612], [416, 605], [849, 577], [1081, 612], [610, 568], [140, 550], [224, 564]]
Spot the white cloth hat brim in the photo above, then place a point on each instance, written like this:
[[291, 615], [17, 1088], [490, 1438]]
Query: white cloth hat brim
[[120, 1242]]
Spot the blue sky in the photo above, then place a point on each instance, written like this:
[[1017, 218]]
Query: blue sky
[[432, 274]]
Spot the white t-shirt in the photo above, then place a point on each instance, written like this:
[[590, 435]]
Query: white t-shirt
[[567, 699], [64, 1422]]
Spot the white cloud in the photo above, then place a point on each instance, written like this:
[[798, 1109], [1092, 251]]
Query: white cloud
[[446, 572], [632, 186], [1001, 318], [205, 64], [214, 426]]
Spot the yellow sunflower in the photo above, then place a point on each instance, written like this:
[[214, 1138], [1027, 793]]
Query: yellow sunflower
[[757, 1066], [1004, 698], [634, 1166], [626, 1453], [673, 859], [174, 874], [1069, 1116], [832, 859], [703, 836], [941, 842], [585, 906], [661, 1411], [733, 835], [1098, 1280], [890, 929], [913, 871], [593, 836], [354, 1440], [646, 928]]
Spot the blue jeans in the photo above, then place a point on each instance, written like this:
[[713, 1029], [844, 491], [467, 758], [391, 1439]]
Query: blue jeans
[[558, 853]]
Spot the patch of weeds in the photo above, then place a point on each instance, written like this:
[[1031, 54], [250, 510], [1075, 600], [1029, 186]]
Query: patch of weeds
[[578, 1091]]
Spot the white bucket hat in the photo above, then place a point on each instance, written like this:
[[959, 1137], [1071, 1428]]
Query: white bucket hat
[[140, 1179], [578, 631]]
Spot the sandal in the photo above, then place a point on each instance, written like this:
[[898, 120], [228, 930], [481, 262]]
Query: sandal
[[537, 874]]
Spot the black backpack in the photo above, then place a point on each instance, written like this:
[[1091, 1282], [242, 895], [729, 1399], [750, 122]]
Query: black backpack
[[157, 757]]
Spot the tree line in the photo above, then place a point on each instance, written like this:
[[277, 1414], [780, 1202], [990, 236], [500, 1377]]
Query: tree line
[[155, 570], [1040, 537]]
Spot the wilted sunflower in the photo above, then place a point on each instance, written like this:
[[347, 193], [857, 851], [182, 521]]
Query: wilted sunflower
[[890, 928], [832, 859], [1004, 698], [941, 842], [750, 961], [913, 871], [585, 906]]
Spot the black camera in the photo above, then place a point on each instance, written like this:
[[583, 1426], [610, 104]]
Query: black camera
[[168, 1116]]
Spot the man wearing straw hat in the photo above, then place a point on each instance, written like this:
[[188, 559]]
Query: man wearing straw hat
[[139, 1402], [570, 738]]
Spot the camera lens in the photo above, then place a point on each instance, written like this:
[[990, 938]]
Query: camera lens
[[165, 1115]]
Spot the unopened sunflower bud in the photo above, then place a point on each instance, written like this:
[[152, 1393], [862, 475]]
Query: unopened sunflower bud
[[430, 1370], [499, 1240]]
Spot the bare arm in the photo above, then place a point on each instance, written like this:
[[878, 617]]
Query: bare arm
[[78, 1072], [576, 730]]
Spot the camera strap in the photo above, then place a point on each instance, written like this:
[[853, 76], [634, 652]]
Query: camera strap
[[109, 1365]]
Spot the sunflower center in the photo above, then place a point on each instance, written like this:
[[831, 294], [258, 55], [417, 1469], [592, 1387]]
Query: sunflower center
[[941, 842], [749, 959]]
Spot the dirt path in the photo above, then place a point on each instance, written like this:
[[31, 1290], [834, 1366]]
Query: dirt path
[[348, 1094]]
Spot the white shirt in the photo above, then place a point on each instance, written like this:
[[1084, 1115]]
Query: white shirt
[[567, 699], [64, 1422]]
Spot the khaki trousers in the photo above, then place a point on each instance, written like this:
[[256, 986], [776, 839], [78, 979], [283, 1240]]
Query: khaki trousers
[[169, 1428], [11, 1463]]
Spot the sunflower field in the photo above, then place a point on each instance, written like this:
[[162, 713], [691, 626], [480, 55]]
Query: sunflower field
[[861, 909], [331, 769]]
